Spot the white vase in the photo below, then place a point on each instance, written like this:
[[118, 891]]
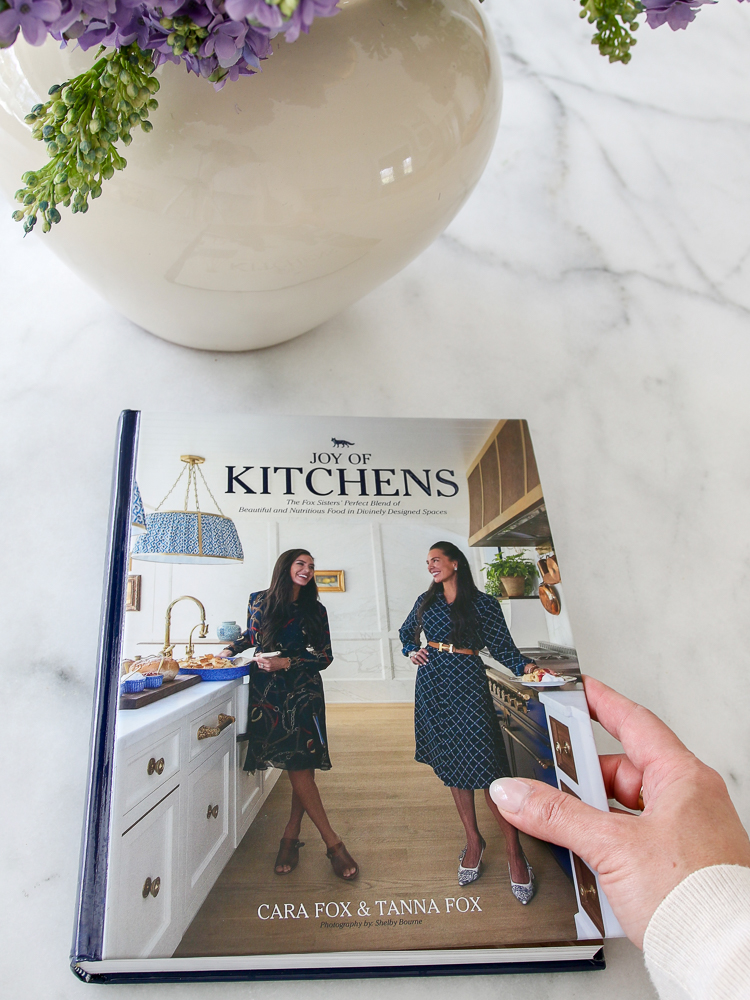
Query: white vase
[[251, 215]]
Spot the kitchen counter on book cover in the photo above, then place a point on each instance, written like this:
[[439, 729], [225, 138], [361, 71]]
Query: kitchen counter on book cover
[[596, 284]]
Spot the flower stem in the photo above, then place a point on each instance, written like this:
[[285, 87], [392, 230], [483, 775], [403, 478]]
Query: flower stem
[[615, 21], [80, 123]]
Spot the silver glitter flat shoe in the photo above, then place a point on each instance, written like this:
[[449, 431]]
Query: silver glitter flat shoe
[[468, 875], [523, 892]]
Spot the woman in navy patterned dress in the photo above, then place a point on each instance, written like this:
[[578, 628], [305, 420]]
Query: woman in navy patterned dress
[[455, 724], [286, 724]]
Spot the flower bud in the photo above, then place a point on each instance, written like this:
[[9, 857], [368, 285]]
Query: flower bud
[[147, 126], [54, 215], [54, 89], [30, 178], [125, 77], [68, 96], [59, 109], [96, 191], [153, 84], [18, 216]]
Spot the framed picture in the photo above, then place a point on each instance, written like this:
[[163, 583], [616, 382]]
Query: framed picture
[[330, 580], [133, 593]]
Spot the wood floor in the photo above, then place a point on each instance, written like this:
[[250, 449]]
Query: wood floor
[[399, 822]]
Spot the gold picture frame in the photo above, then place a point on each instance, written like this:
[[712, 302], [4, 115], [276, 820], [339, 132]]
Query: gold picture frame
[[330, 580], [133, 593]]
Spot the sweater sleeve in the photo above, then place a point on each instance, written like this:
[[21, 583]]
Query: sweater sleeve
[[497, 636], [697, 943]]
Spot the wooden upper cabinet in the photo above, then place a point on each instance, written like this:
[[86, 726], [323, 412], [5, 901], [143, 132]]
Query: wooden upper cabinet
[[506, 505]]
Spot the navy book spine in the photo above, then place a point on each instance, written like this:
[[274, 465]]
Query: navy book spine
[[92, 873]]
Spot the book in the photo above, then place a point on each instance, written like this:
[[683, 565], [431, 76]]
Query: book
[[322, 638]]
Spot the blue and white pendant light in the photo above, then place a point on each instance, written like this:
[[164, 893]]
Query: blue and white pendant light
[[189, 536], [137, 514]]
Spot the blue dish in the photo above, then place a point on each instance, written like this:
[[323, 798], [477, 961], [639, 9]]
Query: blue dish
[[153, 681], [133, 686], [219, 673]]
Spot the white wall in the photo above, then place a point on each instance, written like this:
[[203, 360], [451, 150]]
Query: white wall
[[385, 572]]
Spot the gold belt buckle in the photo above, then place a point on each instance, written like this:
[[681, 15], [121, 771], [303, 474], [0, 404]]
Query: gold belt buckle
[[447, 648]]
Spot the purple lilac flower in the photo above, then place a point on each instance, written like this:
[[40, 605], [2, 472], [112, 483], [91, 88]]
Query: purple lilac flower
[[676, 13], [237, 36], [33, 17]]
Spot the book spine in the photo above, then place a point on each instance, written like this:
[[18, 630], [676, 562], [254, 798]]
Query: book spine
[[92, 874]]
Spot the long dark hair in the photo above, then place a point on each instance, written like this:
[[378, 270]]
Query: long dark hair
[[278, 603], [464, 626]]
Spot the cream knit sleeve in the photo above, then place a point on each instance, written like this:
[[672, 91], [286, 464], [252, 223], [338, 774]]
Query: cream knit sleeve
[[697, 943]]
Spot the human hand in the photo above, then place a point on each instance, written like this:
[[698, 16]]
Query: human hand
[[271, 664], [688, 821], [225, 654], [419, 656]]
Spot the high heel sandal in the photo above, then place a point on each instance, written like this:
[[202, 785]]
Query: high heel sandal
[[468, 875], [523, 891], [288, 854], [340, 860]]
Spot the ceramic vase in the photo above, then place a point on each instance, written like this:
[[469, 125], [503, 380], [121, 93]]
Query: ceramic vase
[[229, 631], [255, 213]]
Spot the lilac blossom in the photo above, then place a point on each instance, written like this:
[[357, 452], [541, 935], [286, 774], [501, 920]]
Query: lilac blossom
[[676, 13], [32, 17]]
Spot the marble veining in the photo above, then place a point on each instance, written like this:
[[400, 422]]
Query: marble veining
[[595, 283]]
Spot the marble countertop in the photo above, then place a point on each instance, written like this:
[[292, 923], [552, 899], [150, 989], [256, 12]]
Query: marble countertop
[[596, 283], [134, 724]]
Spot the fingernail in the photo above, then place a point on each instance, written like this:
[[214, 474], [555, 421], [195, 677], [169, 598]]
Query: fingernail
[[509, 794]]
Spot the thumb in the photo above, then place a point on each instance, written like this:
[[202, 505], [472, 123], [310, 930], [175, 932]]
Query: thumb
[[536, 808]]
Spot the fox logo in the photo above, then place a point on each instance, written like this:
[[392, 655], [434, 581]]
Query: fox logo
[[340, 443]]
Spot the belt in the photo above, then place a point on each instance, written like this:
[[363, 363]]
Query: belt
[[448, 647]]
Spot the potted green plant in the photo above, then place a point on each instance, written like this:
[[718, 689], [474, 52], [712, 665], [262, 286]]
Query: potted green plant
[[510, 576]]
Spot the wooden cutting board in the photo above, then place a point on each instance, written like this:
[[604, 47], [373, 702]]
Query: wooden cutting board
[[140, 698]]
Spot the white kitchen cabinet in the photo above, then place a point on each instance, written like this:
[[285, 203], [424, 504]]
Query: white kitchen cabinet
[[180, 805], [144, 890], [578, 773], [209, 827]]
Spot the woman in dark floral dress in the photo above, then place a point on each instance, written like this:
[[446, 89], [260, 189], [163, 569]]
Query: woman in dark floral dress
[[286, 728], [455, 724]]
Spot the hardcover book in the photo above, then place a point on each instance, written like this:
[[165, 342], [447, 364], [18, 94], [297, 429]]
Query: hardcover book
[[322, 639]]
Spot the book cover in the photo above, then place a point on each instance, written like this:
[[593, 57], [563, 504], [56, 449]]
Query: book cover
[[322, 639]]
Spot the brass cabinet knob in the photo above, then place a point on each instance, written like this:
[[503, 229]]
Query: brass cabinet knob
[[586, 889], [155, 766], [151, 887], [563, 748], [212, 811]]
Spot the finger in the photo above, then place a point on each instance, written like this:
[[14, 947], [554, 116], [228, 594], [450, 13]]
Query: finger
[[542, 811], [622, 780], [643, 735]]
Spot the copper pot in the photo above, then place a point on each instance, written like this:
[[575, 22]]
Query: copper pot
[[550, 600], [549, 570]]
